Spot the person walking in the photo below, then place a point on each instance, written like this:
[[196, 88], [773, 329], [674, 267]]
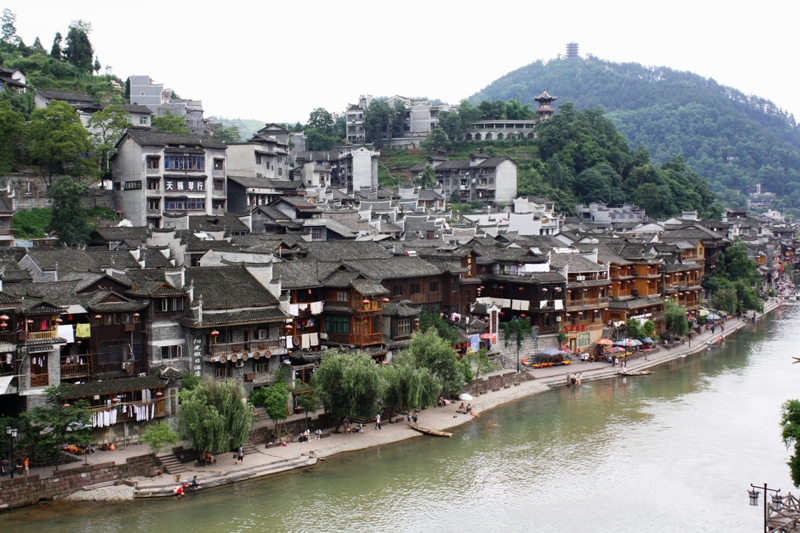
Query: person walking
[[415, 416], [318, 433], [378, 421], [26, 465], [241, 454]]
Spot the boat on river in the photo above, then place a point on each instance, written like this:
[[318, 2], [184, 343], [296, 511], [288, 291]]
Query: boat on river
[[634, 373], [428, 431]]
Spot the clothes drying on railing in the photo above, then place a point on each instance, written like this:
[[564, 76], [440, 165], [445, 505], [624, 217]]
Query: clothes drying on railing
[[106, 418], [144, 412]]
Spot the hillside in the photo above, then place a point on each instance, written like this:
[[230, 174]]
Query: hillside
[[732, 139]]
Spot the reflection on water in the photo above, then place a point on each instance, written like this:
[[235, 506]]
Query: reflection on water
[[670, 452]]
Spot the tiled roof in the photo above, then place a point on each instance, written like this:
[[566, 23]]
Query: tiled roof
[[151, 282], [394, 267], [52, 94], [635, 303], [120, 259], [112, 386], [154, 138], [65, 259], [368, 287], [228, 223], [130, 235], [267, 314], [302, 274], [402, 309], [228, 288], [345, 250], [575, 263], [61, 293]]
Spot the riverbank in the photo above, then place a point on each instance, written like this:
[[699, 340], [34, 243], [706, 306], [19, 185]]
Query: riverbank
[[263, 462]]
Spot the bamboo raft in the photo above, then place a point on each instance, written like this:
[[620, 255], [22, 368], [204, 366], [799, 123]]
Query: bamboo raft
[[428, 431], [634, 373]]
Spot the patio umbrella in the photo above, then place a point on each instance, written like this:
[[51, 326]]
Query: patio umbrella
[[466, 397], [713, 316], [626, 342], [607, 342], [648, 340], [703, 312], [488, 336], [616, 349], [636, 342]]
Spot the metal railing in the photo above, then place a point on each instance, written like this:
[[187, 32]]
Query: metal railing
[[39, 335], [248, 346], [75, 370]]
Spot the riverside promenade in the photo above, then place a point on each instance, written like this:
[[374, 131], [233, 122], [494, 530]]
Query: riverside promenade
[[263, 461]]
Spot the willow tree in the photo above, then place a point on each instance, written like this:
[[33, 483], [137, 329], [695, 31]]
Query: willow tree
[[349, 385], [790, 422], [409, 385], [214, 416], [437, 355]]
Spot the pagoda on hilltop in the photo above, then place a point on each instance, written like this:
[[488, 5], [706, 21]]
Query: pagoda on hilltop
[[545, 110]]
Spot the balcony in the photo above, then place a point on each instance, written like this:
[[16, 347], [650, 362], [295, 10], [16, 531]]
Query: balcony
[[240, 348], [129, 414], [75, 371], [41, 335], [586, 303]]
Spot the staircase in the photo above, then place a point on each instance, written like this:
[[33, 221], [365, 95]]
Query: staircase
[[261, 413], [171, 464], [249, 449]]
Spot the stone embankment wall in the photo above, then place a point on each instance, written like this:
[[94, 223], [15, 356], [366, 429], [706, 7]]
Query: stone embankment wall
[[496, 382], [506, 356], [22, 491]]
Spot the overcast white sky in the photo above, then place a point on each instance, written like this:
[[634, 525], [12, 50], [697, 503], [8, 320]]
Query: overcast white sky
[[276, 61]]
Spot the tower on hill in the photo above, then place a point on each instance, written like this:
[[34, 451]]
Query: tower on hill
[[572, 50], [545, 110]]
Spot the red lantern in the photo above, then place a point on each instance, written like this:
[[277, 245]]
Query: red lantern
[[215, 333], [521, 289], [365, 301], [136, 315], [4, 318], [385, 300], [59, 321], [31, 321], [96, 317], [3, 325], [522, 315], [288, 326], [309, 291], [544, 289], [501, 287]]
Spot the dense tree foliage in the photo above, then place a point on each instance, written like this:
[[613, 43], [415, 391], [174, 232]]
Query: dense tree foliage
[[349, 385], [436, 354], [446, 330], [12, 124], [675, 319], [790, 424], [214, 416], [57, 142], [170, 123], [735, 273], [79, 51], [409, 385], [68, 219], [158, 436], [323, 130], [731, 139], [107, 127], [59, 421], [228, 134]]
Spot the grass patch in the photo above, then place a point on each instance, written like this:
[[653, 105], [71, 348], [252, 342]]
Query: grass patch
[[32, 224]]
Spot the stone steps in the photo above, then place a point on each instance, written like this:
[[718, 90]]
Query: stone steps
[[171, 464]]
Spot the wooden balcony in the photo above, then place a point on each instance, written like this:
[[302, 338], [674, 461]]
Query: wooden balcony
[[356, 340], [75, 371], [586, 303], [221, 348], [160, 410], [42, 335]]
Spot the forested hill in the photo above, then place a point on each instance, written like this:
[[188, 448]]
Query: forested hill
[[731, 139]]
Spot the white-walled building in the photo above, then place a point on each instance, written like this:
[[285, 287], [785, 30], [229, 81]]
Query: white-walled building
[[166, 173]]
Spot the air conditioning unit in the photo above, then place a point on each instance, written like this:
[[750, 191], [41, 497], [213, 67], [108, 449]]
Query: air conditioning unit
[[239, 364], [580, 278]]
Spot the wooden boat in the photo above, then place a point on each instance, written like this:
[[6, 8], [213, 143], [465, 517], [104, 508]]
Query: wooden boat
[[427, 431], [634, 373]]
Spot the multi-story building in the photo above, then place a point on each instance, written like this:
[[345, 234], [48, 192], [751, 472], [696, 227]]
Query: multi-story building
[[159, 100], [478, 178], [166, 173]]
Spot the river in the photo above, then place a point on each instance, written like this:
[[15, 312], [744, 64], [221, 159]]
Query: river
[[672, 452]]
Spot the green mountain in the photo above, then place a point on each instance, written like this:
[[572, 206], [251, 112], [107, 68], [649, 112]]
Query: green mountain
[[731, 139], [247, 127]]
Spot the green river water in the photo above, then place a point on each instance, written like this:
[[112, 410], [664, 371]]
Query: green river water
[[672, 452]]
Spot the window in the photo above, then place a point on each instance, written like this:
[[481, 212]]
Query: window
[[434, 286], [143, 121], [337, 324], [219, 185], [261, 368], [153, 163], [171, 304], [316, 234], [219, 164], [397, 290], [258, 159], [263, 333], [153, 204], [455, 284], [223, 372], [153, 185], [172, 352], [404, 327], [280, 171], [185, 162], [341, 296], [185, 204], [414, 288]]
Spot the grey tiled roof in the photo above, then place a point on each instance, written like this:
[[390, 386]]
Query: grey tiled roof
[[112, 386], [345, 250], [154, 138], [52, 94], [267, 314], [228, 288], [302, 274], [575, 262], [394, 267], [65, 259], [228, 223]]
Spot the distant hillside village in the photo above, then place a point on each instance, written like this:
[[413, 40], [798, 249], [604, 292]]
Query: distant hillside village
[[238, 261]]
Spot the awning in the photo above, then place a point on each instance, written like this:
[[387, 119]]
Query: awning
[[5, 381]]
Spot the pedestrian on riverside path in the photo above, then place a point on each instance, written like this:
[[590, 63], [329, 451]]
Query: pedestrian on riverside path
[[241, 455], [408, 416], [378, 421], [415, 416], [26, 464]]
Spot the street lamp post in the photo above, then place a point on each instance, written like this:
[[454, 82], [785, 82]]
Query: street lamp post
[[12, 432], [777, 500]]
